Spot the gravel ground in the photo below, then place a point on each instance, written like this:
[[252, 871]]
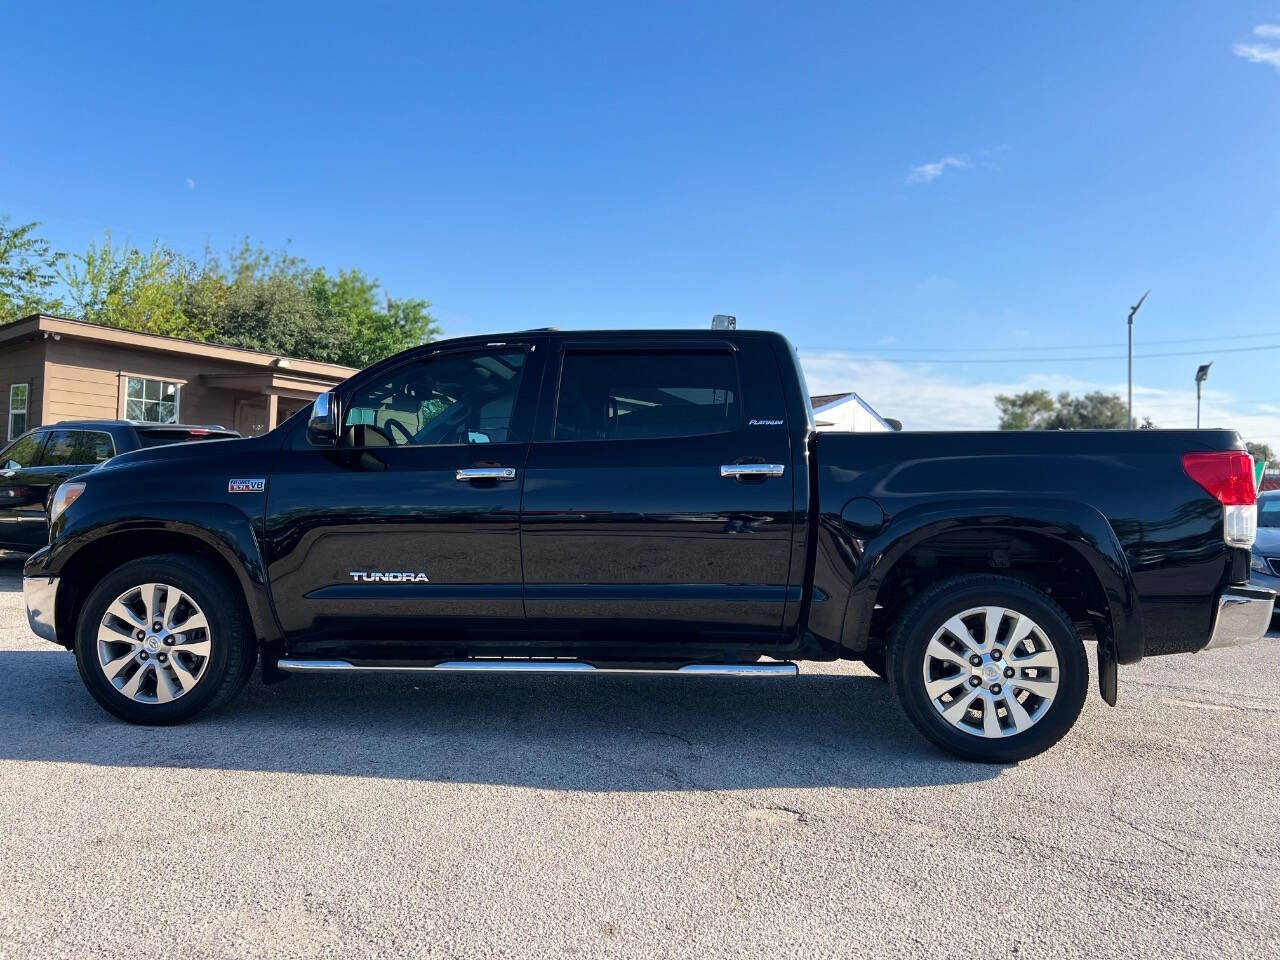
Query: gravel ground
[[474, 816]]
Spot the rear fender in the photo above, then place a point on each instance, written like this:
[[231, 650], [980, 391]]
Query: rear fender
[[1075, 525]]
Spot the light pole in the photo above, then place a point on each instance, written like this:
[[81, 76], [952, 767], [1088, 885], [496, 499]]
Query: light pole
[[1201, 376], [1132, 311]]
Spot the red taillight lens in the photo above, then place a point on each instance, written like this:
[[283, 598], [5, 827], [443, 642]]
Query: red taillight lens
[[1227, 475]]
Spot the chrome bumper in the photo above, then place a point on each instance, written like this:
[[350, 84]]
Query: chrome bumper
[[1244, 614], [41, 595]]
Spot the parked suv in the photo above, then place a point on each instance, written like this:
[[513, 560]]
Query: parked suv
[[32, 467], [1266, 549]]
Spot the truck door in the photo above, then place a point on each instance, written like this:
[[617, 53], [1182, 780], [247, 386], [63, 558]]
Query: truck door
[[655, 506], [409, 527]]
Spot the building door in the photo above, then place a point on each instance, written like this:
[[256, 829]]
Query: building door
[[251, 417]]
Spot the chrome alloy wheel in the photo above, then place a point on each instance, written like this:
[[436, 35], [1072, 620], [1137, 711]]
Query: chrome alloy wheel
[[154, 643], [991, 672]]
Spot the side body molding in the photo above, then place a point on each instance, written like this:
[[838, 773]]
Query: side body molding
[[1075, 525]]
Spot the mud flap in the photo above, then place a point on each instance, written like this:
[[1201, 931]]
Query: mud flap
[[270, 663], [1108, 673]]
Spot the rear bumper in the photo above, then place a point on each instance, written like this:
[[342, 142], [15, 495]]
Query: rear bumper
[[40, 594], [1244, 616]]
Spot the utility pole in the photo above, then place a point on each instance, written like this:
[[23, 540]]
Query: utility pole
[[1132, 311], [1201, 376]]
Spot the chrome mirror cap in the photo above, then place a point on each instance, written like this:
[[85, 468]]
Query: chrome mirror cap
[[322, 428]]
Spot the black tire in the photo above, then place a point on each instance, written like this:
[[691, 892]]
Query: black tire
[[926, 615], [877, 661], [232, 650]]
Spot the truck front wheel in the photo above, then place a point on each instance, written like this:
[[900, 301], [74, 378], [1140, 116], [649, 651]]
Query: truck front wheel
[[162, 638], [989, 668]]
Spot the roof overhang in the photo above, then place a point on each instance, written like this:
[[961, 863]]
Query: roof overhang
[[268, 383], [46, 327]]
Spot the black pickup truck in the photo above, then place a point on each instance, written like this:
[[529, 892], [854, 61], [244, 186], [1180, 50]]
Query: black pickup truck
[[655, 502]]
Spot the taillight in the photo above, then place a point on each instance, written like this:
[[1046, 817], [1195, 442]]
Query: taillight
[[1227, 475]]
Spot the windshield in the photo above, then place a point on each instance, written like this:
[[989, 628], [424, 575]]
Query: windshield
[[1269, 511]]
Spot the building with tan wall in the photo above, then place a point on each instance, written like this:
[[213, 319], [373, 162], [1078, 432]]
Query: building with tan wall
[[53, 369]]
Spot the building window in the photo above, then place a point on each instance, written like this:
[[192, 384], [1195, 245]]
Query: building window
[[155, 401], [17, 410]]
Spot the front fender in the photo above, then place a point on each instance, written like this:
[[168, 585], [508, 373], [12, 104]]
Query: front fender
[[219, 527], [1075, 525]]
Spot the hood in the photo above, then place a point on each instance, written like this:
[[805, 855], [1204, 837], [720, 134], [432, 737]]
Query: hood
[[1268, 542], [203, 450]]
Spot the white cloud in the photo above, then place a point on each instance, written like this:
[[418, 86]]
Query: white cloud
[[928, 172], [925, 398], [1261, 52], [191, 184]]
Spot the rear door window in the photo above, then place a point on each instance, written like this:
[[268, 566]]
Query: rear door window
[[635, 394], [61, 448]]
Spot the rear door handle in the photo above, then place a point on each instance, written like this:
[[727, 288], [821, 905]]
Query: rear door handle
[[486, 473], [753, 469]]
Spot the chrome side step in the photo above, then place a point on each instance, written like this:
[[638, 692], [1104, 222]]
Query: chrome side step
[[778, 669]]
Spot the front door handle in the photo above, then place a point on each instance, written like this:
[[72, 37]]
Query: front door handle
[[739, 470], [486, 473]]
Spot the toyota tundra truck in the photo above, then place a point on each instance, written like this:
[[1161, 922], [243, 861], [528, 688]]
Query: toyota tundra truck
[[652, 502]]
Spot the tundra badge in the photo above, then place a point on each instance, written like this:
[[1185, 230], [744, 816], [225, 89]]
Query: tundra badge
[[377, 576]]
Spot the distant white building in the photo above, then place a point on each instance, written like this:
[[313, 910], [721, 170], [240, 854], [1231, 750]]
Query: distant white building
[[847, 413]]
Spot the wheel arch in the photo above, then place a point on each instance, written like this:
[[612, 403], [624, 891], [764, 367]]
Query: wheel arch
[[85, 555], [1059, 529]]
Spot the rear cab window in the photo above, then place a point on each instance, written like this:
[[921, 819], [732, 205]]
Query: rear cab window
[[163, 436], [625, 394], [94, 446]]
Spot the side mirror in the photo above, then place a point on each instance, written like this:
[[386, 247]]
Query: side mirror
[[322, 428]]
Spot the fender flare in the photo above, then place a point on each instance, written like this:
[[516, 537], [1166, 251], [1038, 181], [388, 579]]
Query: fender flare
[[228, 532], [1075, 525]]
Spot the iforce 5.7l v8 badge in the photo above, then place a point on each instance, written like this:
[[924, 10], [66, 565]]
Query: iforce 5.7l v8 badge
[[256, 485]]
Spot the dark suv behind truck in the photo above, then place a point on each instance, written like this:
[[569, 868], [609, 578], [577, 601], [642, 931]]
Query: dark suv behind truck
[[33, 465], [656, 502]]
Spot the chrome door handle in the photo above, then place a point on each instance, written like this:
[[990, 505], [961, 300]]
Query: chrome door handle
[[487, 473], [753, 469]]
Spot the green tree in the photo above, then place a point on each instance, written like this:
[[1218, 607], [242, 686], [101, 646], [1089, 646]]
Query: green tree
[[1039, 410], [1025, 411], [262, 301], [373, 325], [130, 288], [250, 297], [28, 272], [1261, 451]]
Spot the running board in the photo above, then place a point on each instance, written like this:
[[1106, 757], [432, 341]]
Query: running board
[[780, 669]]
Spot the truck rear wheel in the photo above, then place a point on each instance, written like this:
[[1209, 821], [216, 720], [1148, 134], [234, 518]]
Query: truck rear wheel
[[989, 668], [163, 638]]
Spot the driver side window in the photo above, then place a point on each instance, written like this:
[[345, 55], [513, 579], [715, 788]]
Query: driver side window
[[458, 398], [23, 452]]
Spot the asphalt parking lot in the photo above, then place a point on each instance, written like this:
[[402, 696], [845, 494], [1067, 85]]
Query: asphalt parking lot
[[470, 816]]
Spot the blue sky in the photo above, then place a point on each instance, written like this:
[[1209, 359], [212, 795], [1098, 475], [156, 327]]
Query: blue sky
[[903, 191]]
